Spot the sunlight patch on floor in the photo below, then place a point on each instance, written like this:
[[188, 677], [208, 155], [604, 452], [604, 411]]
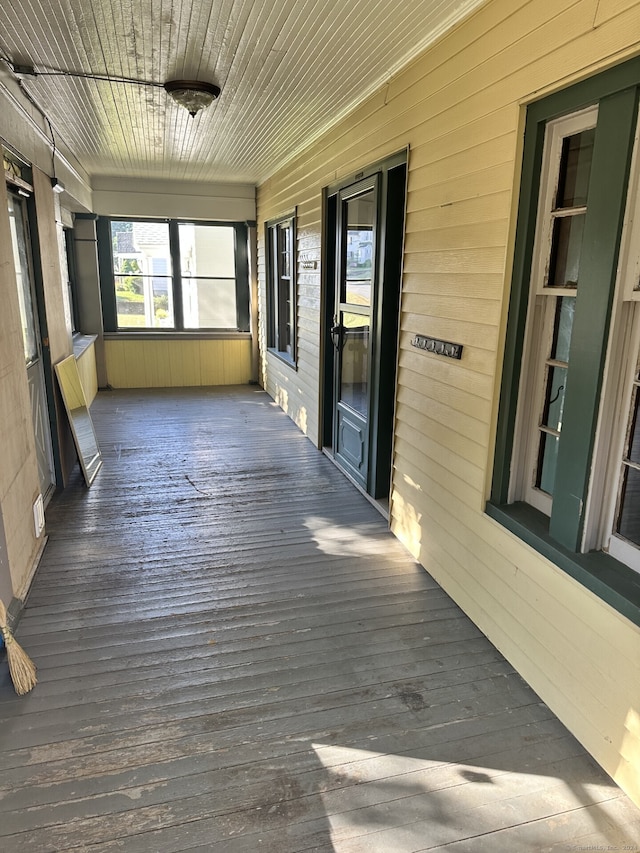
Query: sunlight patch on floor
[[379, 802], [343, 541]]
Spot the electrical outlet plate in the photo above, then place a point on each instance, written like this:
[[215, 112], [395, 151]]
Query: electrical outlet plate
[[38, 516]]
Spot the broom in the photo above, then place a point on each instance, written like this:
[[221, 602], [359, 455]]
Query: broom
[[21, 668]]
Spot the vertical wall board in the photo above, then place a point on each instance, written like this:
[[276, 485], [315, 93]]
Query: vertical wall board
[[19, 486], [54, 293], [175, 363], [59, 338]]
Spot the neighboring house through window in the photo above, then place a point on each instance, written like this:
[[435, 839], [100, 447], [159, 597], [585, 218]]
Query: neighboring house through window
[[567, 469], [281, 287], [174, 276]]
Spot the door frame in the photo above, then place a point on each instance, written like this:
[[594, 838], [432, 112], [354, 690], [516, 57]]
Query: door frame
[[22, 187], [385, 315]]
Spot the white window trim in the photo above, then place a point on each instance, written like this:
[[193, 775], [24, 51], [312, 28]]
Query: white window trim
[[540, 316]]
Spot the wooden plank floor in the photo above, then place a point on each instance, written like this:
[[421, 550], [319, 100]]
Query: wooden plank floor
[[236, 655]]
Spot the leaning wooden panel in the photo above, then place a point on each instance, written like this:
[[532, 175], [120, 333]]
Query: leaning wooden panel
[[88, 373]]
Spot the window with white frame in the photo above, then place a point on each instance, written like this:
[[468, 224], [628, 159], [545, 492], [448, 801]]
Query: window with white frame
[[169, 275], [281, 287], [567, 465], [562, 211]]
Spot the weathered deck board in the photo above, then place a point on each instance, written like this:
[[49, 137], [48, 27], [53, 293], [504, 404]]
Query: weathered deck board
[[235, 654]]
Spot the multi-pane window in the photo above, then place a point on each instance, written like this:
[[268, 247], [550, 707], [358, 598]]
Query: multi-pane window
[[142, 275], [555, 277], [208, 274], [281, 287], [567, 467], [171, 275]]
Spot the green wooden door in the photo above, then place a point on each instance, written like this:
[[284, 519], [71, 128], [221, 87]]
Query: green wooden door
[[352, 329]]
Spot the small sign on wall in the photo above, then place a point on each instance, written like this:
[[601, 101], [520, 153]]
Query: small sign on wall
[[446, 348]]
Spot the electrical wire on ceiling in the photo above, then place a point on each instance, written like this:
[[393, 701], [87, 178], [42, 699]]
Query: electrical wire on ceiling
[[54, 181], [193, 95], [22, 70]]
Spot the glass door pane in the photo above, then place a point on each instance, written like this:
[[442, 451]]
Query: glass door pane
[[359, 249], [23, 276], [354, 362], [356, 236]]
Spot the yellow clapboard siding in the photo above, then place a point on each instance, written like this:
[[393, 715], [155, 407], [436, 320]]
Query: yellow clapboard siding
[[448, 372], [416, 370], [422, 467], [531, 576], [459, 108], [175, 363], [572, 699], [474, 366], [439, 392], [475, 286], [494, 152], [544, 625], [486, 311], [485, 129], [484, 26], [466, 448], [487, 208], [476, 235], [483, 182], [448, 79], [539, 636], [459, 331], [611, 9], [539, 639], [485, 85]]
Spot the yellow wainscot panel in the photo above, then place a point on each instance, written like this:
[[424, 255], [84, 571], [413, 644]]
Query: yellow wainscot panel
[[212, 360], [176, 363]]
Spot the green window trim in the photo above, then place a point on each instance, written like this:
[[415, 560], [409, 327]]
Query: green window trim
[[559, 537], [282, 289], [612, 581], [107, 281]]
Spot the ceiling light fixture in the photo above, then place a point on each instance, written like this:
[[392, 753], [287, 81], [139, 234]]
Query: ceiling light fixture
[[193, 95]]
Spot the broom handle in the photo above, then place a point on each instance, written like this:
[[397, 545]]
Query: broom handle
[[7, 636]]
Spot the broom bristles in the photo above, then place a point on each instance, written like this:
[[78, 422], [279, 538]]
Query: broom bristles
[[21, 668]]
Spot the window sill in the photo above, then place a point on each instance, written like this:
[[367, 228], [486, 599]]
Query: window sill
[[172, 335], [281, 356], [612, 581], [81, 343]]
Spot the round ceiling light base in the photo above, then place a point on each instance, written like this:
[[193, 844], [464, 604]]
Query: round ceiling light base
[[193, 95]]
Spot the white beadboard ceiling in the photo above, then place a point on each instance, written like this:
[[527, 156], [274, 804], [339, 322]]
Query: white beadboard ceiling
[[287, 70]]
